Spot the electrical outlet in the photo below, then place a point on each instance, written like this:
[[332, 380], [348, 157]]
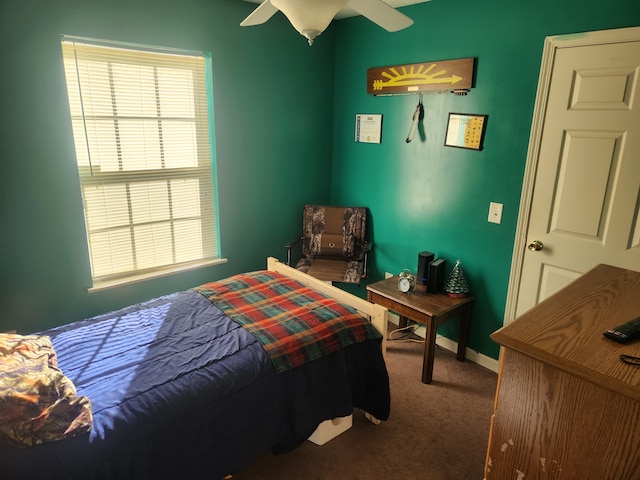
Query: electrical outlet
[[495, 212]]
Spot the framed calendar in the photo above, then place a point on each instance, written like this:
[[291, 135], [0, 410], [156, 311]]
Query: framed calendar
[[465, 130]]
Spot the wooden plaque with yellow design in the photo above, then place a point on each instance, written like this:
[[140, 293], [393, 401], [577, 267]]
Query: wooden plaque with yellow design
[[444, 76]]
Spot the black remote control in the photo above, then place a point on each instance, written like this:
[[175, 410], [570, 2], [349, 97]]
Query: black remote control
[[626, 332]]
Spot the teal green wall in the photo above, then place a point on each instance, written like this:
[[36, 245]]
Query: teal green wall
[[422, 195], [283, 113], [273, 117]]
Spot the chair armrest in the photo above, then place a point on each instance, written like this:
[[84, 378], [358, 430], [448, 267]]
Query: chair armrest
[[289, 246], [366, 249]]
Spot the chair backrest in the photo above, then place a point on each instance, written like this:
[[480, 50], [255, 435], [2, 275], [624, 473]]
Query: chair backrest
[[333, 231]]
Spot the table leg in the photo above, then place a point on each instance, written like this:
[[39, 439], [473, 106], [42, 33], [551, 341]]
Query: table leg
[[465, 323], [429, 350]]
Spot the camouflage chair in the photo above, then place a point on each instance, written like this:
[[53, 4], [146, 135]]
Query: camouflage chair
[[333, 243]]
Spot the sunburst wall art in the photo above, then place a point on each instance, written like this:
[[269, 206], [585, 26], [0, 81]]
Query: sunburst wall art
[[454, 76]]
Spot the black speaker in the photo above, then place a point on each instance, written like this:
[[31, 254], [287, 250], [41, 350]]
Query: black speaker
[[435, 281], [424, 259]]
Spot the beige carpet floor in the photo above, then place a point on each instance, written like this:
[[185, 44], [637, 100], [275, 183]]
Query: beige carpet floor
[[435, 432]]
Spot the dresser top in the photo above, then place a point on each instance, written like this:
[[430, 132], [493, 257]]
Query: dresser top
[[565, 330]]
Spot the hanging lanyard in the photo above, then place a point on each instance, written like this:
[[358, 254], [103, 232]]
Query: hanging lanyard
[[417, 116]]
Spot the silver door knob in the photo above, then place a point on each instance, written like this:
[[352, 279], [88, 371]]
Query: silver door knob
[[535, 246]]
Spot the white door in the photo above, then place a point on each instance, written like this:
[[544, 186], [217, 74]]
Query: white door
[[581, 198]]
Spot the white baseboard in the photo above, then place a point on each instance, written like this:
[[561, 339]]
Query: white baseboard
[[471, 355]]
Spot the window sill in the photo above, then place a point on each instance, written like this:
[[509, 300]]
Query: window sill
[[121, 282]]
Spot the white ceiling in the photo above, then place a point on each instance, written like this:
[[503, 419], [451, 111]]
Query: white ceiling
[[348, 12]]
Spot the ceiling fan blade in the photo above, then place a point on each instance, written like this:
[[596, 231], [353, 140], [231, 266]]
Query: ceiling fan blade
[[379, 12], [264, 12]]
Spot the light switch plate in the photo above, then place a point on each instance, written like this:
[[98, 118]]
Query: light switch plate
[[495, 212]]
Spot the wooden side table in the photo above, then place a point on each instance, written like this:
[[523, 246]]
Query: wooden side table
[[428, 309]]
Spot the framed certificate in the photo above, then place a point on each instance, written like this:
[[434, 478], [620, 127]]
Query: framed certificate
[[465, 131], [369, 128]]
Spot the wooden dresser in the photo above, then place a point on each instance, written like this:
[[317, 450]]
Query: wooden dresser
[[566, 406]]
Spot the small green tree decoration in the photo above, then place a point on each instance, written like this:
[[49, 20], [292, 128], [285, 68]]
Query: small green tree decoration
[[456, 285]]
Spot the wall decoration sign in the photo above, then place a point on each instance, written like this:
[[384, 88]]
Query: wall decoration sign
[[369, 128], [455, 76], [465, 131]]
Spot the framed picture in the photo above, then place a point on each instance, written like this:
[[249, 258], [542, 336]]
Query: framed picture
[[465, 130], [369, 128]]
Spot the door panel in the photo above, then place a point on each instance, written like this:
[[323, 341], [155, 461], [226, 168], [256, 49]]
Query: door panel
[[583, 183], [585, 193]]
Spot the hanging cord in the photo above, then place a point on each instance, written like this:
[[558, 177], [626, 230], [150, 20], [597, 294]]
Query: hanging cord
[[407, 337], [417, 116], [84, 117]]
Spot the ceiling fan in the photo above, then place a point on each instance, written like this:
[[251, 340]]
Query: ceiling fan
[[312, 17]]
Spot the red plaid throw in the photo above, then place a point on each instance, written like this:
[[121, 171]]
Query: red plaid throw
[[294, 323]]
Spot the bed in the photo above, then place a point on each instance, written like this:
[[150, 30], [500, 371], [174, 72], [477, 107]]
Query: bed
[[194, 385]]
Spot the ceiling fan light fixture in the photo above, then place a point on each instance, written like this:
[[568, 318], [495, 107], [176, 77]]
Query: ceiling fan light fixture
[[310, 17], [310, 34]]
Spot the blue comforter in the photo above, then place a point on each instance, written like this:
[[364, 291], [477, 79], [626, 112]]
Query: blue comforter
[[180, 391]]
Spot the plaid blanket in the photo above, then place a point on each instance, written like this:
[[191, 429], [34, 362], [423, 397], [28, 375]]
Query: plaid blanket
[[294, 323]]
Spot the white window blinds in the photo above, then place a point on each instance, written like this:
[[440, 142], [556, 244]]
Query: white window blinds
[[143, 144]]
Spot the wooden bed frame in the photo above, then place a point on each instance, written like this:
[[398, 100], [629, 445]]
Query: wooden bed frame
[[377, 314]]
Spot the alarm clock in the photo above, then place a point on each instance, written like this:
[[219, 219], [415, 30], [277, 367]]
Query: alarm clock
[[406, 281]]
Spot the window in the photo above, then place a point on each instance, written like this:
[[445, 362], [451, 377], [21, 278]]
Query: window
[[142, 124]]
